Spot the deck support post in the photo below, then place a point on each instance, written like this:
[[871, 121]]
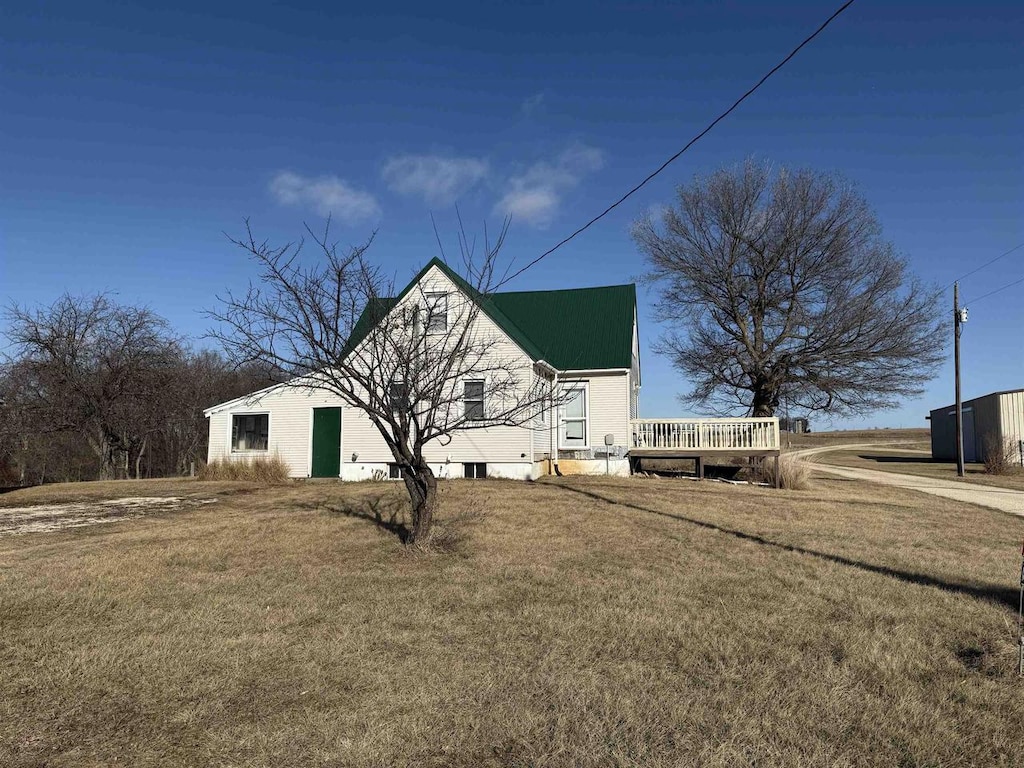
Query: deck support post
[[778, 478], [700, 467]]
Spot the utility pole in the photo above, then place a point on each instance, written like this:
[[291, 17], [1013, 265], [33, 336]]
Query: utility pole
[[957, 321]]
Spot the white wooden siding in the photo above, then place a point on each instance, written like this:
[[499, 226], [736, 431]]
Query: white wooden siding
[[609, 408], [290, 424], [494, 444]]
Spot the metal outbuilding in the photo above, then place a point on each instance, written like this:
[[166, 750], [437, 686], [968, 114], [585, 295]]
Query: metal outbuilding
[[992, 420]]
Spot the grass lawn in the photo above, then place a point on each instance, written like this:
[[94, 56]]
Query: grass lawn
[[908, 463], [907, 438], [577, 622]]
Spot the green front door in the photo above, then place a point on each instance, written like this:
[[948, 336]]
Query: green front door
[[326, 442]]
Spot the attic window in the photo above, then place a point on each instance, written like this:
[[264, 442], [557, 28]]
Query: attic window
[[437, 312]]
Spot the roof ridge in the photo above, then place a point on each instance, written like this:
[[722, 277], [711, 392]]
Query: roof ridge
[[567, 290]]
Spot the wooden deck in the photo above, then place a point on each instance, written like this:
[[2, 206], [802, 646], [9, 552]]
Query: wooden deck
[[700, 438]]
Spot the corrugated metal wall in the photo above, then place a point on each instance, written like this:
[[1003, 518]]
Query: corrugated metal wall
[[986, 425], [943, 429], [1011, 412], [993, 419]]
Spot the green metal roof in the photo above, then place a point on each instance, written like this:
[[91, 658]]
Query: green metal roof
[[577, 328], [572, 329]]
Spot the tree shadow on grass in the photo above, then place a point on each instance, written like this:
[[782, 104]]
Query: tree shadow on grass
[[992, 592], [388, 514]]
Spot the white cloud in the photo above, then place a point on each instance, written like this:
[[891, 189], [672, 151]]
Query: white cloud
[[535, 195], [439, 180], [328, 195]]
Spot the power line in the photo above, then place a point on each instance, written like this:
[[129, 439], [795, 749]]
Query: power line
[[978, 269], [689, 144], [993, 293]]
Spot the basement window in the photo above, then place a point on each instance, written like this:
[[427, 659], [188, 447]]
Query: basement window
[[250, 431], [394, 471], [474, 470]]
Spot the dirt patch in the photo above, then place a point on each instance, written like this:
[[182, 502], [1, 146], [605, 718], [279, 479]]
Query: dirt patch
[[43, 518]]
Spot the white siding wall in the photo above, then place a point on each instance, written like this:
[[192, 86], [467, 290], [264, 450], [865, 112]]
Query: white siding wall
[[290, 424], [511, 445], [608, 409]]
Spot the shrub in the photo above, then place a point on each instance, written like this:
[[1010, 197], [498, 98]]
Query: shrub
[[1000, 457], [269, 471], [794, 474]]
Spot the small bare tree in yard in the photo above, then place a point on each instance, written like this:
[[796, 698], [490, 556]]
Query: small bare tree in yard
[[421, 366], [781, 285]]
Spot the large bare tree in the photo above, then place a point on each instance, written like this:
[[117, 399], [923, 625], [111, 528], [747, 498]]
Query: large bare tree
[[333, 322], [92, 367], [779, 284]]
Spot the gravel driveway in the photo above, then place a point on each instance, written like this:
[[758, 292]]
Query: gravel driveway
[[1002, 499]]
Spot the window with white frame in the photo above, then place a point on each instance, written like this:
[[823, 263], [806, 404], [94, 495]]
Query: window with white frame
[[250, 431], [437, 312], [473, 397], [574, 428]]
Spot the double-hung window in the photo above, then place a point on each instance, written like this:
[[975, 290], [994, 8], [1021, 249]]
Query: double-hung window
[[437, 312], [398, 394], [473, 397], [574, 428], [250, 431]]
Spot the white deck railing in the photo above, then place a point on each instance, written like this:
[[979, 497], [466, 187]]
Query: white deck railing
[[760, 434]]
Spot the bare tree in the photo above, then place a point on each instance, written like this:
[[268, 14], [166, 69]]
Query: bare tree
[[335, 324], [781, 285], [88, 366]]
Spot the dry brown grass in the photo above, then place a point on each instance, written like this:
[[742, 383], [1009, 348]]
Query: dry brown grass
[[916, 438], [270, 470], [910, 463], [580, 621], [59, 493], [794, 474]]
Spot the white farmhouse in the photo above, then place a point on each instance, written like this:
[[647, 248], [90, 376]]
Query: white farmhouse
[[583, 341]]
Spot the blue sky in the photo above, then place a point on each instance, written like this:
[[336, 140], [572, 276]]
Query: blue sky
[[132, 137]]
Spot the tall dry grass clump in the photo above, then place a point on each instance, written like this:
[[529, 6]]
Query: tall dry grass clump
[[271, 470], [794, 474]]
